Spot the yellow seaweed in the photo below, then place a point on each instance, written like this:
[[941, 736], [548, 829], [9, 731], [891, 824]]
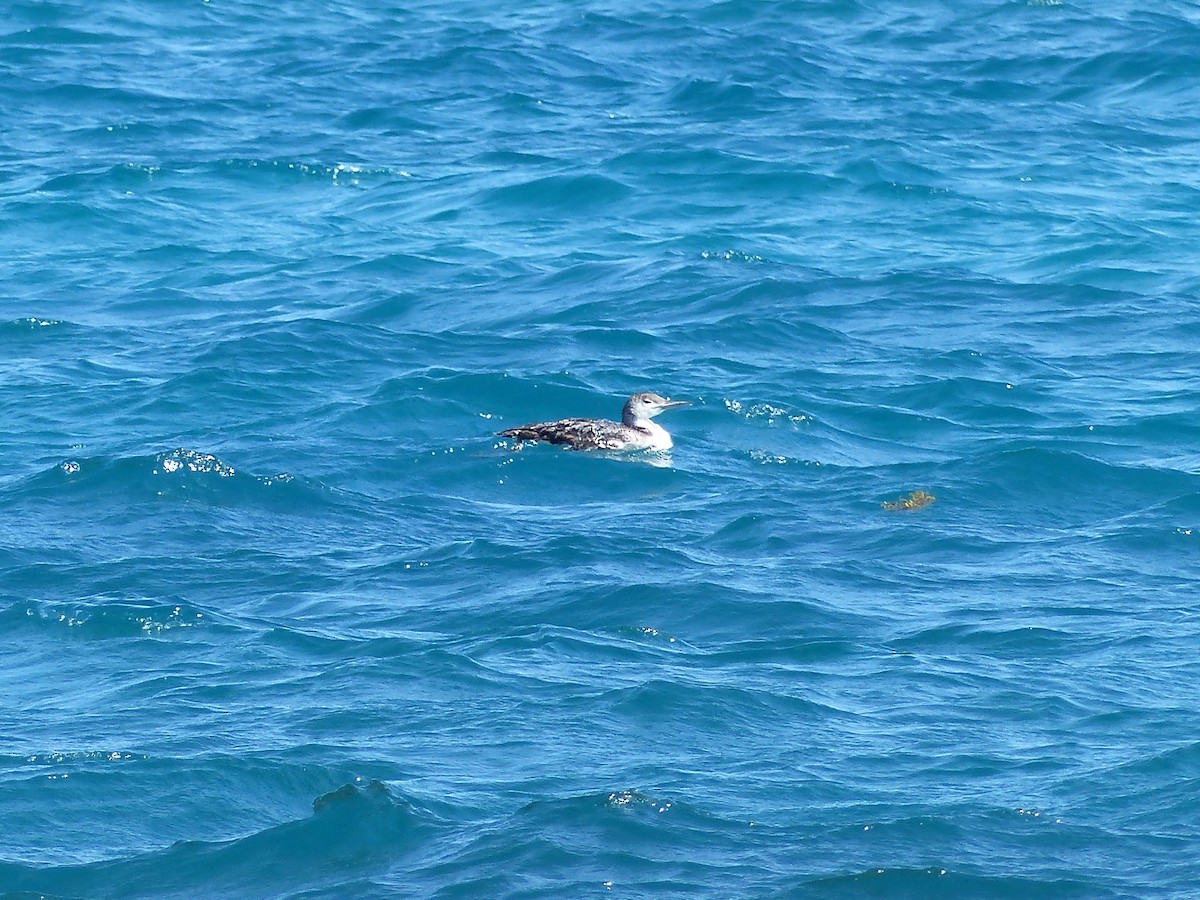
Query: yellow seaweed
[[915, 500]]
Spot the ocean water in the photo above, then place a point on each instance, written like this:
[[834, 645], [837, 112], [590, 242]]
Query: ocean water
[[280, 616]]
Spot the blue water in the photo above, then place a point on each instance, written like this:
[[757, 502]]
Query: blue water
[[280, 616]]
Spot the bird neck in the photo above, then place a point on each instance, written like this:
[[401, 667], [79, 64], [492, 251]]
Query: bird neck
[[634, 419]]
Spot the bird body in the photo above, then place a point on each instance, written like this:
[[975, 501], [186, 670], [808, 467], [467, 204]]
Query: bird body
[[635, 431]]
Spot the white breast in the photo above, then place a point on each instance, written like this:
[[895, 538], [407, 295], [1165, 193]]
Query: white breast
[[657, 439]]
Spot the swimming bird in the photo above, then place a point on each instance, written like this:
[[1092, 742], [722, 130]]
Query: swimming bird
[[635, 431]]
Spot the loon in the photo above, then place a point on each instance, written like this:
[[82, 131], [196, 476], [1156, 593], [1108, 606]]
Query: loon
[[635, 431]]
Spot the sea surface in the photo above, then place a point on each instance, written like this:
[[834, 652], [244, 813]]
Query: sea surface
[[280, 614]]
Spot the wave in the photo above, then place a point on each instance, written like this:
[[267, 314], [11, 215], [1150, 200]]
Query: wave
[[106, 617], [567, 193], [17, 327], [176, 474], [938, 882], [169, 175], [353, 837], [586, 844]]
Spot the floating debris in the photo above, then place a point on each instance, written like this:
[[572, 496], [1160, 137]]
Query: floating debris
[[915, 500]]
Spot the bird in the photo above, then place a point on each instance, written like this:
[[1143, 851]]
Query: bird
[[635, 431]]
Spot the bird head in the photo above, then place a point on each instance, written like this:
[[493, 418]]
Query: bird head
[[647, 405]]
